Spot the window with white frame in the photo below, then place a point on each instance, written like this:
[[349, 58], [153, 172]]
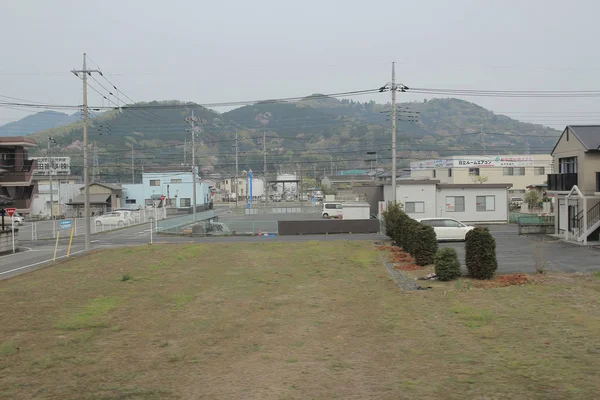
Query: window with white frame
[[185, 202], [485, 203], [474, 171], [176, 180], [154, 182], [414, 207], [455, 203], [130, 201]]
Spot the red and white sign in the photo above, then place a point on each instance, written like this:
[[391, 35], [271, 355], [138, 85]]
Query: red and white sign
[[10, 211], [163, 197]]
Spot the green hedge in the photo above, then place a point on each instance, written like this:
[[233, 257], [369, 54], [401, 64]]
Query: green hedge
[[414, 238], [480, 254], [447, 266], [424, 244]]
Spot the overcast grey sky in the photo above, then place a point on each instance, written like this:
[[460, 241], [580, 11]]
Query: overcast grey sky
[[206, 51]]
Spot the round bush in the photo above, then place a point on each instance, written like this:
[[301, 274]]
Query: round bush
[[480, 254], [425, 244], [447, 266]]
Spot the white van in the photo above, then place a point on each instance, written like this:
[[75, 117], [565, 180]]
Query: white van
[[332, 210]]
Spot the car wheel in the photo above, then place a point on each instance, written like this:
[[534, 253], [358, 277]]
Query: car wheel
[[325, 215], [16, 223], [120, 224], [98, 223]]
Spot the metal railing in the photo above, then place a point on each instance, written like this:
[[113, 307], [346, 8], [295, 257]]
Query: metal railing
[[48, 229]]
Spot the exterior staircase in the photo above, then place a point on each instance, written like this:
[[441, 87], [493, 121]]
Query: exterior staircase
[[593, 223]]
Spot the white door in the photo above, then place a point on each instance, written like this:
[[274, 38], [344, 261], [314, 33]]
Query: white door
[[441, 232], [562, 215]]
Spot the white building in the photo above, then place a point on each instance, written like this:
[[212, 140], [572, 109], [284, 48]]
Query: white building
[[520, 171], [174, 183], [469, 202]]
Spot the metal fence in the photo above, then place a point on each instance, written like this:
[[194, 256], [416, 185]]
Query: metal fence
[[210, 227], [49, 229], [179, 224]]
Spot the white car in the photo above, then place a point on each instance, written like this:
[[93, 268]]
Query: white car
[[129, 216], [447, 228], [331, 210], [16, 219], [117, 218]]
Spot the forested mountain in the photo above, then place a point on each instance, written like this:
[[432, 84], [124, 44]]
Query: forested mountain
[[307, 135], [37, 122]]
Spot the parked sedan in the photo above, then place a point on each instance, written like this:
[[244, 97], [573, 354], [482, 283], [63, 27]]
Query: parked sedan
[[117, 218], [447, 228]]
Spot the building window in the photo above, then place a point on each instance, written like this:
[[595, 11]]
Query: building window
[[227, 182], [486, 203], [449, 172], [130, 201], [414, 207], [185, 202], [539, 171], [474, 171], [154, 182], [176, 180], [513, 171], [434, 173], [455, 203], [567, 165]]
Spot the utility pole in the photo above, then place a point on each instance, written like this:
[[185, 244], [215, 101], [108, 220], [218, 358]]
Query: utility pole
[[393, 133], [194, 128], [84, 73], [184, 152], [331, 164], [236, 169], [132, 164], [95, 162], [49, 155], [266, 187]]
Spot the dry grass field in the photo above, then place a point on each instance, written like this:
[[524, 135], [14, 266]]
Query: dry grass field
[[288, 321]]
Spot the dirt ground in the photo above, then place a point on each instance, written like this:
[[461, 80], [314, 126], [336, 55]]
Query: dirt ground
[[289, 321]]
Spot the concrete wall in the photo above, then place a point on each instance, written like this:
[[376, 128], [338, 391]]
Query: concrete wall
[[6, 241]]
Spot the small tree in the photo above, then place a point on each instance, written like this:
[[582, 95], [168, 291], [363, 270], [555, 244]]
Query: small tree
[[532, 198], [425, 244], [447, 266], [480, 254]]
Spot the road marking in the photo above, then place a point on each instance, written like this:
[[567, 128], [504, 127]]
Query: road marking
[[37, 263], [18, 252]]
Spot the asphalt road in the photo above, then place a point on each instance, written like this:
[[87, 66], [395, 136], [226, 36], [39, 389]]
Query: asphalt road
[[521, 253]]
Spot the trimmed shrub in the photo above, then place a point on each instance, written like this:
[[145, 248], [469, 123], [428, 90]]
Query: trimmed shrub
[[447, 266], [391, 218], [408, 233], [424, 244], [402, 232], [480, 254]]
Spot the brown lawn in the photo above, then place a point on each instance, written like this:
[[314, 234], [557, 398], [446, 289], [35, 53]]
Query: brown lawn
[[288, 321]]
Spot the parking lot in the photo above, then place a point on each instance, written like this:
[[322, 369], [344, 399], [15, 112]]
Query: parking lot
[[520, 253]]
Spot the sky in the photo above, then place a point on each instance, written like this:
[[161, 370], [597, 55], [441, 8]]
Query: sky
[[210, 52]]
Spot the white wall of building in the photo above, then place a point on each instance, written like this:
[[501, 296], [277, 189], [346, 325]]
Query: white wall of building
[[432, 202], [497, 213]]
